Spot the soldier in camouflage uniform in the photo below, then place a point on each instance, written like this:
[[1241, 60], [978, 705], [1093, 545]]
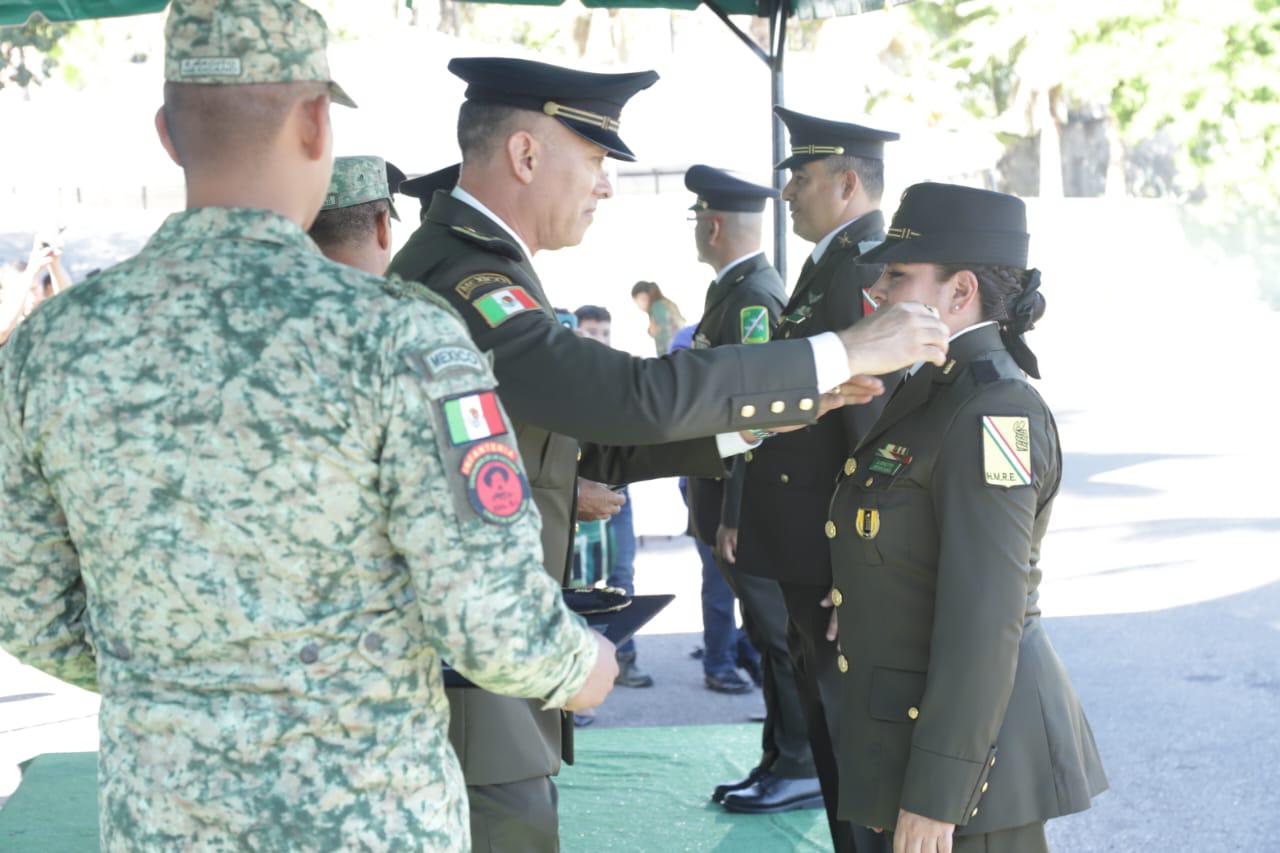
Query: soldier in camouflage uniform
[[354, 225], [255, 498]]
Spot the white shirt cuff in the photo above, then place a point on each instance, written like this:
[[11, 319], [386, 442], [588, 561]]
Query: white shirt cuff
[[731, 444], [830, 361]]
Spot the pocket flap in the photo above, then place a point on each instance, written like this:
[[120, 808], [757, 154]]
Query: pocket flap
[[895, 694]]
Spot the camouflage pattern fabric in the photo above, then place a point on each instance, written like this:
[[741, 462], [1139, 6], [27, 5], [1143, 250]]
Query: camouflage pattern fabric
[[358, 180], [236, 42], [234, 505]]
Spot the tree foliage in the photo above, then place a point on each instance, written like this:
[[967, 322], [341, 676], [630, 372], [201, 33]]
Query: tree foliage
[[28, 54]]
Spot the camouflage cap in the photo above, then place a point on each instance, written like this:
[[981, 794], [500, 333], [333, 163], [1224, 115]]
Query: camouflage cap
[[357, 180], [235, 42]]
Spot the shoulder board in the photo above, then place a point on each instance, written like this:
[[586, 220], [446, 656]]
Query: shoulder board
[[488, 241], [984, 371]]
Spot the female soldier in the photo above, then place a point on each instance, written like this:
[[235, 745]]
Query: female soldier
[[957, 718], [664, 317]]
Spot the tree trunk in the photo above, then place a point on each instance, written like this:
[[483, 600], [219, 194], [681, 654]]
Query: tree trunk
[[1050, 144]]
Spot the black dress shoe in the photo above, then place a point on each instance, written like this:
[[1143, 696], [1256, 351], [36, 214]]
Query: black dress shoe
[[718, 795], [770, 794], [698, 653], [728, 682], [752, 668]]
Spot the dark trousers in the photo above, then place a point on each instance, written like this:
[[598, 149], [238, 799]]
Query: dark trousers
[[816, 674], [519, 817], [723, 642], [785, 740]]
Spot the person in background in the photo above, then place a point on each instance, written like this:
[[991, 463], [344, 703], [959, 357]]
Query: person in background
[[664, 317], [596, 323], [354, 225], [30, 284]]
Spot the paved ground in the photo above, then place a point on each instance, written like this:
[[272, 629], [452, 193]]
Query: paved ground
[[1161, 568]]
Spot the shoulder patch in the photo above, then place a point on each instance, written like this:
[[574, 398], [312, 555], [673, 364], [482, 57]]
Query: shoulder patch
[[754, 324], [442, 359], [471, 283], [473, 417], [492, 242], [501, 305], [984, 371], [1006, 451], [496, 485]]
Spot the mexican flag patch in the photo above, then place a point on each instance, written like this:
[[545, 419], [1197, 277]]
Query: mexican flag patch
[[473, 417], [1006, 451], [754, 320], [502, 304]]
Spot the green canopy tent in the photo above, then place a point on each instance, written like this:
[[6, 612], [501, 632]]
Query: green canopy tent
[[778, 12]]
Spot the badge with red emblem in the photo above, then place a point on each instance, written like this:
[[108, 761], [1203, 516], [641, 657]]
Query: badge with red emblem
[[497, 487]]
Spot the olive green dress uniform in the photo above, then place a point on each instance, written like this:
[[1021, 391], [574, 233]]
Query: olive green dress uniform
[[953, 703]]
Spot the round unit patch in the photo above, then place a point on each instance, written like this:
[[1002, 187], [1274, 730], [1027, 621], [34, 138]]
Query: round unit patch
[[497, 487]]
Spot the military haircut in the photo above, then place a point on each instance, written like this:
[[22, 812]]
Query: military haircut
[[998, 288], [870, 172], [593, 314], [216, 124], [481, 127], [348, 225]]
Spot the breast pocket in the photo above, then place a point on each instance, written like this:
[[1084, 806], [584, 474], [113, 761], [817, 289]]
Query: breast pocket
[[897, 525]]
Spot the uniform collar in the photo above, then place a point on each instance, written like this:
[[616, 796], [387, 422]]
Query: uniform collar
[[729, 267], [471, 201], [874, 219], [231, 223], [966, 330]]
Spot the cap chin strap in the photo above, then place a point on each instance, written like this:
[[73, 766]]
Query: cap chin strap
[[1022, 320], [818, 149], [555, 110]]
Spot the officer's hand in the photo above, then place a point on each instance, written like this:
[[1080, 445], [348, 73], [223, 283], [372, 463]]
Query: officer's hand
[[894, 338], [833, 626], [600, 681], [860, 389], [919, 834], [727, 543], [596, 501]]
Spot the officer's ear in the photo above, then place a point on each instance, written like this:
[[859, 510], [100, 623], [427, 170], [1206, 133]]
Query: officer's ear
[[312, 122], [382, 229], [162, 130], [849, 184], [964, 289], [524, 152], [717, 229]]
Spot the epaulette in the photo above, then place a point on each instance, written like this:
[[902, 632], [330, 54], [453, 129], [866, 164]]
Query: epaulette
[[488, 241], [405, 289], [984, 371]]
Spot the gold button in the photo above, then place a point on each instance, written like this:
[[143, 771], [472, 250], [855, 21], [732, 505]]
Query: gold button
[[579, 455], [973, 813], [748, 411], [837, 597], [831, 529], [748, 456], [850, 466], [985, 786], [806, 404], [777, 407], [842, 663], [993, 761], [870, 480], [913, 712], [784, 478]]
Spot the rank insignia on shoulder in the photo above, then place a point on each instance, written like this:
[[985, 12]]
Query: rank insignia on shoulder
[[984, 371], [754, 323], [473, 417], [501, 305], [471, 283], [441, 359], [1006, 451], [497, 487]]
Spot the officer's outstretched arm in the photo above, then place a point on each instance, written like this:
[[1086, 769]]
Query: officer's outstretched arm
[[986, 486], [42, 596], [459, 511]]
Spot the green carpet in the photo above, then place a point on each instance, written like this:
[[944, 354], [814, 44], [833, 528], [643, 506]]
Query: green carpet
[[642, 789]]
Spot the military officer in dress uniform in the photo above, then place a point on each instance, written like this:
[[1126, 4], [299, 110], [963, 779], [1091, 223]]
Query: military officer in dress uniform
[[837, 178], [534, 138], [957, 717], [234, 501], [742, 307], [354, 225]]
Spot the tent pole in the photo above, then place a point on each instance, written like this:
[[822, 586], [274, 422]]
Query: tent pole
[[778, 37]]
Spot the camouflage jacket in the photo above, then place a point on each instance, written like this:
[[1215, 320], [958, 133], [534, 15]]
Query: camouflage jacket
[[255, 498]]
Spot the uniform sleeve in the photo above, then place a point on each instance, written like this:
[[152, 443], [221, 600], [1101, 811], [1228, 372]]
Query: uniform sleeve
[[461, 514], [42, 596], [699, 457], [731, 502], [985, 529], [576, 386]]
